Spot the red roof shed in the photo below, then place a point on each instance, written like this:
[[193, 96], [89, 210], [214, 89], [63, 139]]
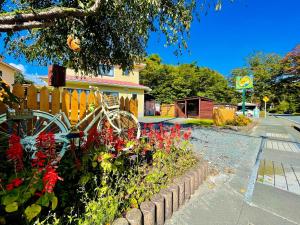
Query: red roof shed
[[194, 107]]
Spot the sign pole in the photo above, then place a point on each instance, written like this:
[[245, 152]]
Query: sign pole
[[244, 100], [265, 109]]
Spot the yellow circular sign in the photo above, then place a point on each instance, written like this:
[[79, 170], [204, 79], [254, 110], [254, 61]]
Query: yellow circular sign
[[245, 81]]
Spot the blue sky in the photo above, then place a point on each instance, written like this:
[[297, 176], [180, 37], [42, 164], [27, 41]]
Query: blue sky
[[222, 40]]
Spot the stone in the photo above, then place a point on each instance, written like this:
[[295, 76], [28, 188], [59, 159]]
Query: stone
[[175, 192], [200, 174], [187, 188], [180, 183], [120, 221], [134, 217], [148, 210], [192, 178], [159, 202], [196, 175], [168, 202]]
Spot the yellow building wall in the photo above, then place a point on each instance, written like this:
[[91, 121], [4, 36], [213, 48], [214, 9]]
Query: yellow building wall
[[123, 91], [8, 74], [118, 75]]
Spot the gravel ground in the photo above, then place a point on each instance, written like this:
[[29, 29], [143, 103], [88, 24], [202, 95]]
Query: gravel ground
[[223, 148]]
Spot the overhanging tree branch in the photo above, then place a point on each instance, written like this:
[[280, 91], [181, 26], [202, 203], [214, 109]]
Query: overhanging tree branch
[[24, 26], [28, 20]]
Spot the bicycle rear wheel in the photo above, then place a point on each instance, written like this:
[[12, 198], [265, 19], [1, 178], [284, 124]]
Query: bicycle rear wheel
[[29, 129], [124, 124]]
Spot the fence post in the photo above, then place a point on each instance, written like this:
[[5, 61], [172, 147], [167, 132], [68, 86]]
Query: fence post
[[74, 107], [32, 97], [127, 106], [122, 103], [44, 99], [82, 106], [66, 102], [18, 91], [55, 101]]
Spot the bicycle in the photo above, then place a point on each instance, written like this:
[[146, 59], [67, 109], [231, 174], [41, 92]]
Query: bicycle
[[28, 124]]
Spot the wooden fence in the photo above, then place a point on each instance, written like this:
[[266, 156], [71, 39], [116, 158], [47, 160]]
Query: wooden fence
[[167, 110], [74, 103]]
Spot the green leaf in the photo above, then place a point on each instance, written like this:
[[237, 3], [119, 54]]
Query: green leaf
[[43, 201], [11, 207], [81, 5], [94, 164], [54, 202], [106, 165], [10, 197], [25, 196], [32, 211]]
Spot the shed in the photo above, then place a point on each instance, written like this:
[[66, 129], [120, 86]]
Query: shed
[[194, 107]]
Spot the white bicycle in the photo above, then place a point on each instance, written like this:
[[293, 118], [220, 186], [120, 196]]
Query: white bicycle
[[28, 124]]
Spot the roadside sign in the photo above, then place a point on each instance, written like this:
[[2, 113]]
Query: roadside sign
[[266, 99], [244, 82]]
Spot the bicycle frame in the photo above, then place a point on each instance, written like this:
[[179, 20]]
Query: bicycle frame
[[97, 116]]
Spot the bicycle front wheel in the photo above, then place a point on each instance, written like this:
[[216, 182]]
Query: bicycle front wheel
[[124, 124]]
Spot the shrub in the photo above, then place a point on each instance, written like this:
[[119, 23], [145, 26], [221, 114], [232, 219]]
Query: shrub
[[222, 115], [240, 120]]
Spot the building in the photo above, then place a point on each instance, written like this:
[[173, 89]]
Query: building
[[113, 81], [7, 72], [194, 107]]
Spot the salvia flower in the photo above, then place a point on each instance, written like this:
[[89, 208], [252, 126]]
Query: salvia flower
[[15, 152], [50, 179]]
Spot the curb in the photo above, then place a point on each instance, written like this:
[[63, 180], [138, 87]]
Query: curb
[[162, 205]]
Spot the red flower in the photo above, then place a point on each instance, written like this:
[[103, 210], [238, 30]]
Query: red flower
[[187, 134], [46, 142], [50, 179], [119, 144], [9, 187], [15, 151], [131, 135], [17, 182], [39, 160]]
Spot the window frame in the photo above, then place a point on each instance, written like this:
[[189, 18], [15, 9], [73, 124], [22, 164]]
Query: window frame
[[107, 73], [111, 92]]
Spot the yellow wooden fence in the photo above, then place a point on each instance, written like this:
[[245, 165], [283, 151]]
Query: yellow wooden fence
[[74, 103]]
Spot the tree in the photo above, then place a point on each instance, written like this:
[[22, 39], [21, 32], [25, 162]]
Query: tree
[[20, 79], [111, 32], [275, 77], [169, 82]]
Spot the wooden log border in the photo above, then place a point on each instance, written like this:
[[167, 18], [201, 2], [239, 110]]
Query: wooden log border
[[176, 194]]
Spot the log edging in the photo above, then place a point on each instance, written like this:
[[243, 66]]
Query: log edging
[[162, 205]]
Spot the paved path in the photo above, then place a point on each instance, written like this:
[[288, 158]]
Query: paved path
[[238, 194]]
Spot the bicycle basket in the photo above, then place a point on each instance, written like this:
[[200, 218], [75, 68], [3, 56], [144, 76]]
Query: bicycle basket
[[111, 101]]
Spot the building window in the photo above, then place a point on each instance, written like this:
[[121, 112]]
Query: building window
[[134, 96], [113, 93], [126, 72], [106, 70], [1, 73]]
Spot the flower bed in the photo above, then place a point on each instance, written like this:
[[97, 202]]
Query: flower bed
[[93, 184]]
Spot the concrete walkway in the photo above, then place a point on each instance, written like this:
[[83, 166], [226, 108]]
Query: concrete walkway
[[237, 195]]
